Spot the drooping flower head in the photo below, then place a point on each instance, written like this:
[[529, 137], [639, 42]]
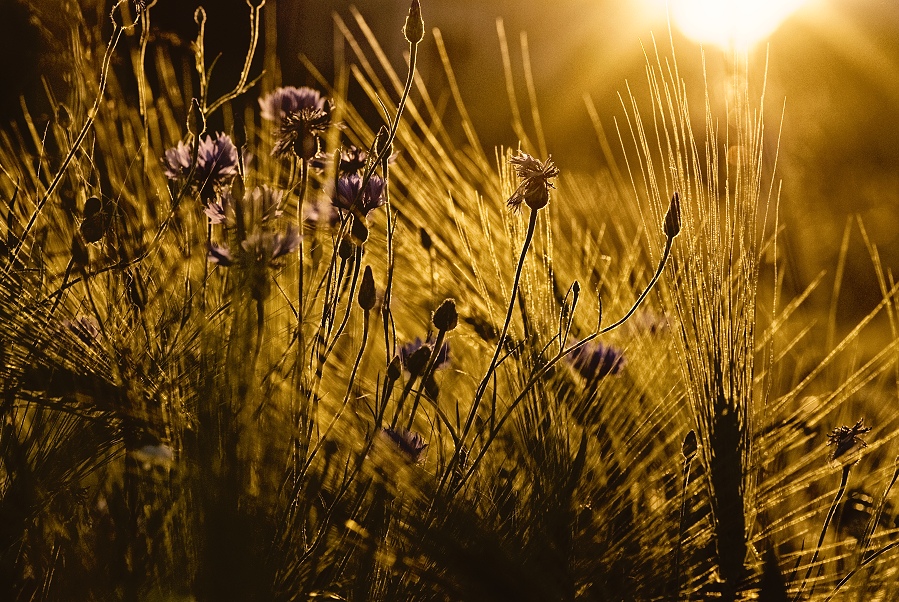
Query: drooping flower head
[[289, 99], [351, 195], [533, 190], [217, 160], [596, 360]]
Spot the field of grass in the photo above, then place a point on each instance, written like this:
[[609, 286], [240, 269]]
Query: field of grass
[[256, 348]]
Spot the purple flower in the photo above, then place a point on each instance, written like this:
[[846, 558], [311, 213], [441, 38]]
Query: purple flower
[[596, 360], [216, 164], [350, 194], [406, 351], [408, 442], [279, 103], [263, 248]]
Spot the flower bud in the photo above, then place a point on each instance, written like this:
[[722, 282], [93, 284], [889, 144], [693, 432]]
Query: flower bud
[[689, 447], [367, 296], [418, 360], [345, 249], [414, 30], [446, 318], [672, 218], [393, 369], [426, 242]]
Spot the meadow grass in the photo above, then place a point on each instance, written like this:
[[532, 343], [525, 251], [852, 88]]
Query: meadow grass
[[238, 368]]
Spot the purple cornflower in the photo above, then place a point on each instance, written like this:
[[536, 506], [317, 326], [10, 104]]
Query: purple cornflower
[[216, 164], [408, 442], [406, 351], [283, 101], [350, 194], [262, 248], [259, 205], [596, 360], [535, 181]]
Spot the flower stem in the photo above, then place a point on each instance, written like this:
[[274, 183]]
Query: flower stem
[[830, 515]]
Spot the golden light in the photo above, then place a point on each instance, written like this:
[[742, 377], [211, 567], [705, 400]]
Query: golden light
[[731, 24]]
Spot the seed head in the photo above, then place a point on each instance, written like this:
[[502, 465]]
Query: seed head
[[533, 190], [847, 438]]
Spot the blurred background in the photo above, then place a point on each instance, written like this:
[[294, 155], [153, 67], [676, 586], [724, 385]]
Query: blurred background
[[832, 65]]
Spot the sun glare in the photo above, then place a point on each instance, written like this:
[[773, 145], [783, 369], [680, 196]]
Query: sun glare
[[739, 24]]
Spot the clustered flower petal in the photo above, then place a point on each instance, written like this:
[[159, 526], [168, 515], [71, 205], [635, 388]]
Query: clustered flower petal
[[351, 194], [217, 160], [533, 190], [595, 361], [289, 99]]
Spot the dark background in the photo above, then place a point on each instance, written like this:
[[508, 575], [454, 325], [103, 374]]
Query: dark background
[[836, 62]]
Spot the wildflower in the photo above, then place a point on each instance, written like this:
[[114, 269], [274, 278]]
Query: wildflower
[[300, 132], [260, 205], [408, 442], [351, 195], [408, 350], [595, 361], [535, 181], [846, 438], [283, 101], [216, 164]]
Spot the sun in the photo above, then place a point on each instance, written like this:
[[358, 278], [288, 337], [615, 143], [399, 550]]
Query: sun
[[731, 24]]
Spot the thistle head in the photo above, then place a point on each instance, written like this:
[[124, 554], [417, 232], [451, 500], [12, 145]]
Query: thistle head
[[535, 176]]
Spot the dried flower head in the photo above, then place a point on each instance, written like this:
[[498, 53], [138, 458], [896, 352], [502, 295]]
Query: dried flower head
[[535, 181], [351, 195], [408, 442], [216, 164], [846, 438], [283, 101], [596, 360], [300, 132]]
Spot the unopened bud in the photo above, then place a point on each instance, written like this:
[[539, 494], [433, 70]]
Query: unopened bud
[[672, 218], [367, 296], [393, 369], [414, 30], [418, 360], [689, 448], [426, 241], [345, 249], [446, 318]]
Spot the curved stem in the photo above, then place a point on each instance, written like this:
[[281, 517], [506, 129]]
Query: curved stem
[[830, 515], [680, 529], [532, 224]]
